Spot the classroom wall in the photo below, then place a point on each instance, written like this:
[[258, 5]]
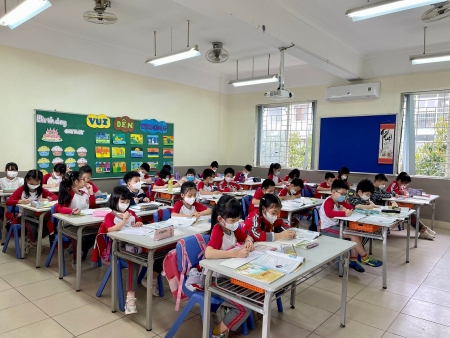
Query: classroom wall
[[241, 149], [31, 80]]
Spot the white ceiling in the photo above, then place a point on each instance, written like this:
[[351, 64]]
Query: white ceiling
[[329, 47]]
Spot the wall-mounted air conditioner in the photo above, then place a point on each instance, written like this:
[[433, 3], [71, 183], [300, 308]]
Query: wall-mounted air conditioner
[[365, 91]]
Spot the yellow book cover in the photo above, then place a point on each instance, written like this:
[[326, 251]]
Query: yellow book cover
[[259, 273]]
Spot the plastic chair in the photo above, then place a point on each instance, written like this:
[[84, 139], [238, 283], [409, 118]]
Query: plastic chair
[[122, 182], [316, 219], [193, 251], [246, 200], [14, 229], [66, 240]]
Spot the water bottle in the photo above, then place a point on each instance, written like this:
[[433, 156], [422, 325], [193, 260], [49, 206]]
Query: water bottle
[[170, 187], [177, 175]]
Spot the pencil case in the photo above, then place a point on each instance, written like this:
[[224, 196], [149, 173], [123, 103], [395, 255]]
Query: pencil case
[[164, 233]]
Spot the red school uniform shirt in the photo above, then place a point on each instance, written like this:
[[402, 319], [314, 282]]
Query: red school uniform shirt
[[19, 194], [322, 185], [238, 175], [286, 192], [45, 178], [395, 188], [160, 183], [224, 186], [217, 235], [94, 187], [253, 227], [180, 208], [257, 195]]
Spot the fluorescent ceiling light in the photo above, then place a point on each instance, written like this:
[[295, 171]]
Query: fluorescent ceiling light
[[429, 58], [255, 80], [385, 7], [173, 57], [23, 12]]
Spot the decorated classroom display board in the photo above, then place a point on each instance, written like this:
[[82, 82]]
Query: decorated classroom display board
[[362, 143], [110, 146]]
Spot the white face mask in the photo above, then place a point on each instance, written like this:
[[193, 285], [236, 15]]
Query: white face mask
[[277, 173], [293, 192], [32, 187], [165, 179], [289, 180], [344, 177], [365, 197], [228, 179], [382, 186], [12, 174], [270, 218], [57, 178], [214, 170], [141, 174], [136, 186], [246, 173], [189, 200], [122, 206], [232, 227]]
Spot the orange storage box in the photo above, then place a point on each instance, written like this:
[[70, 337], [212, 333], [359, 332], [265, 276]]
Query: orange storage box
[[405, 205], [246, 285], [363, 227]]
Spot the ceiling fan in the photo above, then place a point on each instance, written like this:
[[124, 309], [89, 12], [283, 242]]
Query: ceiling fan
[[98, 15], [217, 54], [439, 11]]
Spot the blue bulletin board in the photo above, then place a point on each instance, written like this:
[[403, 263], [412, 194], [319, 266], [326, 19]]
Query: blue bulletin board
[[353, 142]]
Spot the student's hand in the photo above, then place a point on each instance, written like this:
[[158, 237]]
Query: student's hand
[[138, 225], [288, 234], [195, 214], [348, 212], [49, 199], [396, 196], [216, 192], [370, 206], [76, 211], [249, 245], [136, 200], [233, 189], [241, 253], [146, 199], [90, 189], [126, 215], [25, 201]]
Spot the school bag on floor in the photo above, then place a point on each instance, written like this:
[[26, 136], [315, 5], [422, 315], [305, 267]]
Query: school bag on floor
[[170, 268]]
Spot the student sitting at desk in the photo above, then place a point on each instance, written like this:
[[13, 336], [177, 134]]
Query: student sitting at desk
[[162, 181], [188, 207], [53, 179], [325, 185], [361, 198], [214, 166], [343, 174], [72, 199], [274, 173], [32, 191], [293, 174], [335, 206], [379, 193], [11, 181], [133, 181], [205, 187], [225, 236], [267, 187], [245, 173], [143, 171], [189, 177], [292, 191], [86, 175], [264, 225], [164, 167], [227, 185]]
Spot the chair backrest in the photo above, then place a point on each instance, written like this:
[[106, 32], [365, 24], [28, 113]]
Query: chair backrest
[[54, 220], [149, 191], [121, 182], [245, 204], [193, 251], [162, 215], [315, 221]]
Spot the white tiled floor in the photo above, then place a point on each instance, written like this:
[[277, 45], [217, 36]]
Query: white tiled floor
[[35, 303]]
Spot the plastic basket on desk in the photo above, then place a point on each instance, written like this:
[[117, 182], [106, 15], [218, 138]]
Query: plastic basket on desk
[[246, 285], [363, 227]]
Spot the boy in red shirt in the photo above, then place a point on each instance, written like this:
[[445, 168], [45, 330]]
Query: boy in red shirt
[[227, 185], [86, 175], [292, 191], [245, 172], [267, 187], [325, 185], [400, 184]]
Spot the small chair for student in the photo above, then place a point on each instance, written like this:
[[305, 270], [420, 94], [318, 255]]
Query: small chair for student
[[246, 200], [122, 182], [193, 251], [14, 229]]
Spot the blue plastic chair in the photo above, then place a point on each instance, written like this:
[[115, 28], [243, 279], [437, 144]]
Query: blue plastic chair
[[246, 200], [14, 229], [122, 182], [316, 218], [193, 251], [66, 240]]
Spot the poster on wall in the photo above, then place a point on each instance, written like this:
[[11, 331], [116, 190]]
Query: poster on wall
[[387, 140]]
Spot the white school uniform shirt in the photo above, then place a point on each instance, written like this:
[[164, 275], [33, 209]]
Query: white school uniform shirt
[[33, 196], [130, 223], [80, 201], [51, 180], [276, 179], [186, 211], [5, 183], [228, 241]]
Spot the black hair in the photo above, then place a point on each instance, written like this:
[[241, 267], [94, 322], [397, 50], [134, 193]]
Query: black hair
[[208, 173], [343, 171], [167, 167], [85, 170], [228, 171], [226, 207], [191, 171], [274, 166], [248, 167], [36, 175], [365, 186], [297, 182], [339, 184], [60, 168], [403, 177], [329, 175], [295, 173], [214, 164], [12, 165], [119, 193], [381, 177], [267, 183], [267, 201], [145, 166], [164, 173], [186, 186], [129, 175], [64, 195]]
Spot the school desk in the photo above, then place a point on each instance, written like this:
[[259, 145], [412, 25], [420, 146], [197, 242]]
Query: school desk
[[299, 204], [76, 227], [250, 185], [317, 259], [3, 197], [164, 195], [212, 199]]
